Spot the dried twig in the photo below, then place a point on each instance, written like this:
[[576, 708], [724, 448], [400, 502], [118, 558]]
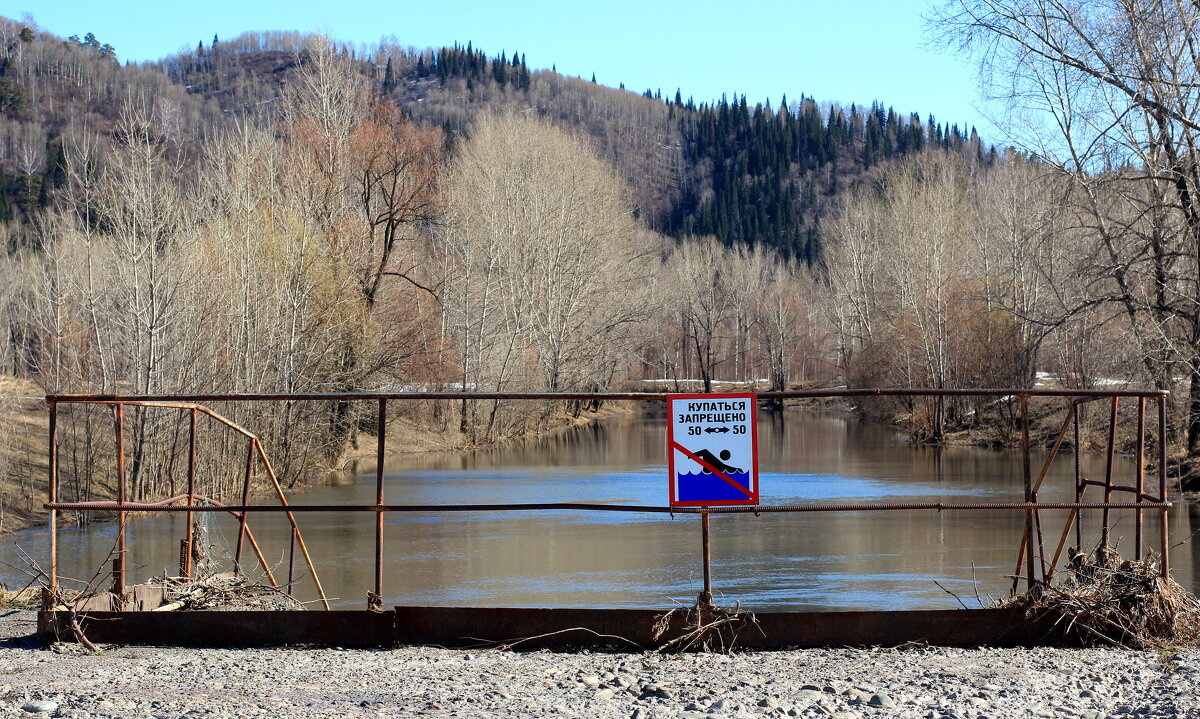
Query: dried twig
[[72, 602], [508, 644], [957, 598], [706, 628]]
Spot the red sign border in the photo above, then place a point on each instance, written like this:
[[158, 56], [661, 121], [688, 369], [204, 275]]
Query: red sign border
[[750, 501]]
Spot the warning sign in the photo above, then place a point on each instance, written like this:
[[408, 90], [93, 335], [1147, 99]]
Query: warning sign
[[712, 445]]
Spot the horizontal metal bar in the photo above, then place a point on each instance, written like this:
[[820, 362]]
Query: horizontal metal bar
[[586, 507], [632, 396]]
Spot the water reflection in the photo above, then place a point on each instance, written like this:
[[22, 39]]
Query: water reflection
[[802, 561]]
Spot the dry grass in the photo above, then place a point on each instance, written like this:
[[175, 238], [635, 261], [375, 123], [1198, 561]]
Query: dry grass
[[1109, 600], [23, 440], [28, 598]]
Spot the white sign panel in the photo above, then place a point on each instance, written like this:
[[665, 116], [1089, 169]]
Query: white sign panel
[[712, 445]]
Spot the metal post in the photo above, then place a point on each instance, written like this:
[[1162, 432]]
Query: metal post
[[52, 480], [1162, 485], [119, 562], [382, 433], [1141, 477], [1108, 469], [1028, 479], [191, 499], [291, 563], [706, 600], [237, 556], [1079, 485]]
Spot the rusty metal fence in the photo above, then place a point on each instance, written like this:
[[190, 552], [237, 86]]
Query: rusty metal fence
[[1032, 552]]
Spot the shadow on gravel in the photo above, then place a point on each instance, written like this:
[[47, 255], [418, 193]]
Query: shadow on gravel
[[18, 629]]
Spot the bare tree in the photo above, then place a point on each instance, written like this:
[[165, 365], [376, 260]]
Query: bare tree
[[1109, 93], [546, 270]]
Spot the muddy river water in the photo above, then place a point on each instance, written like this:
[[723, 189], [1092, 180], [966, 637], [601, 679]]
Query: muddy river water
[[812, 561]]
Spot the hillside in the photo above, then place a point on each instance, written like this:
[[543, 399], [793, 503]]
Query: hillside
[[276, 213], [753, 175]]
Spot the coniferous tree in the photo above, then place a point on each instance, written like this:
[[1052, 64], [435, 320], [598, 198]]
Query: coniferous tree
[[389, 79], [6, 208]]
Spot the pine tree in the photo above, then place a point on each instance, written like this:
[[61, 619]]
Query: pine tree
[[56, 164], [389, 79], [6, 208]]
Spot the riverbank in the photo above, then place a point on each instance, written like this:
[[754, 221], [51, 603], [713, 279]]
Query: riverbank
[[910, 683], [1000, 429], [24, 437]]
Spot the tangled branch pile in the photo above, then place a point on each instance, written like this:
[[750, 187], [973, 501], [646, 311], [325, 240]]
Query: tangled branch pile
[[705, 628], [226, 592], [1109, 600]]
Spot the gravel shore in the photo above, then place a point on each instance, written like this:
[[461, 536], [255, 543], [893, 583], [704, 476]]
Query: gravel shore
[[135, 682]]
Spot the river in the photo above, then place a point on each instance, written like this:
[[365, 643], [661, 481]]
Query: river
[[811, 561]]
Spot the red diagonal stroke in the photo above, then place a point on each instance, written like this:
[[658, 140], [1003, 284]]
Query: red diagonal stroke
[[712, 469]]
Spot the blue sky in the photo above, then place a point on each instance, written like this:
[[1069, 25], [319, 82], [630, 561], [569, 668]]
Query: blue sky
[[855, 51]]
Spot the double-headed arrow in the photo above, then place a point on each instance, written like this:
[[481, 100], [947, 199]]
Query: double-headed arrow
[[710, 430]]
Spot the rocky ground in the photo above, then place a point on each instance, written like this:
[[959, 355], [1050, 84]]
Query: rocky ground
[[62, 680]]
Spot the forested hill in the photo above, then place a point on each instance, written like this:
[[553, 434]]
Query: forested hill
[[753, 174]]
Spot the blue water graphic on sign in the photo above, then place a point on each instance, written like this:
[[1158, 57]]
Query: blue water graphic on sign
[[701, 487]]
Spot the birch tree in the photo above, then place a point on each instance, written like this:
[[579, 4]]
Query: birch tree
[[1109, 93]]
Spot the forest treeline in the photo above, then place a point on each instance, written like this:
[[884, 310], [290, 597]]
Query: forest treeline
[[279, 213]]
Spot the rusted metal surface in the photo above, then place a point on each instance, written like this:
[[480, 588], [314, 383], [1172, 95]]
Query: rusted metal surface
[[1164, 546], [1078, 476], [119, 565], [1140, 477], [706, 599], [52, 493], [527, 628], [379, 455], [237, 557], [183, 400], [634, 628], [581, 506], [1108, 468], [299, 538], [1032, 542], [1030, 497], [227, 629], [186, 565]]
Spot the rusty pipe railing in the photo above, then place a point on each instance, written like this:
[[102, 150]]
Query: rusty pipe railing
[[1031, 540], [254, 451]]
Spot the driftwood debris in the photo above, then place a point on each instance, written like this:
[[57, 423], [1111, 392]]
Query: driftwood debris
[[1109, 600], [225, 591]]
